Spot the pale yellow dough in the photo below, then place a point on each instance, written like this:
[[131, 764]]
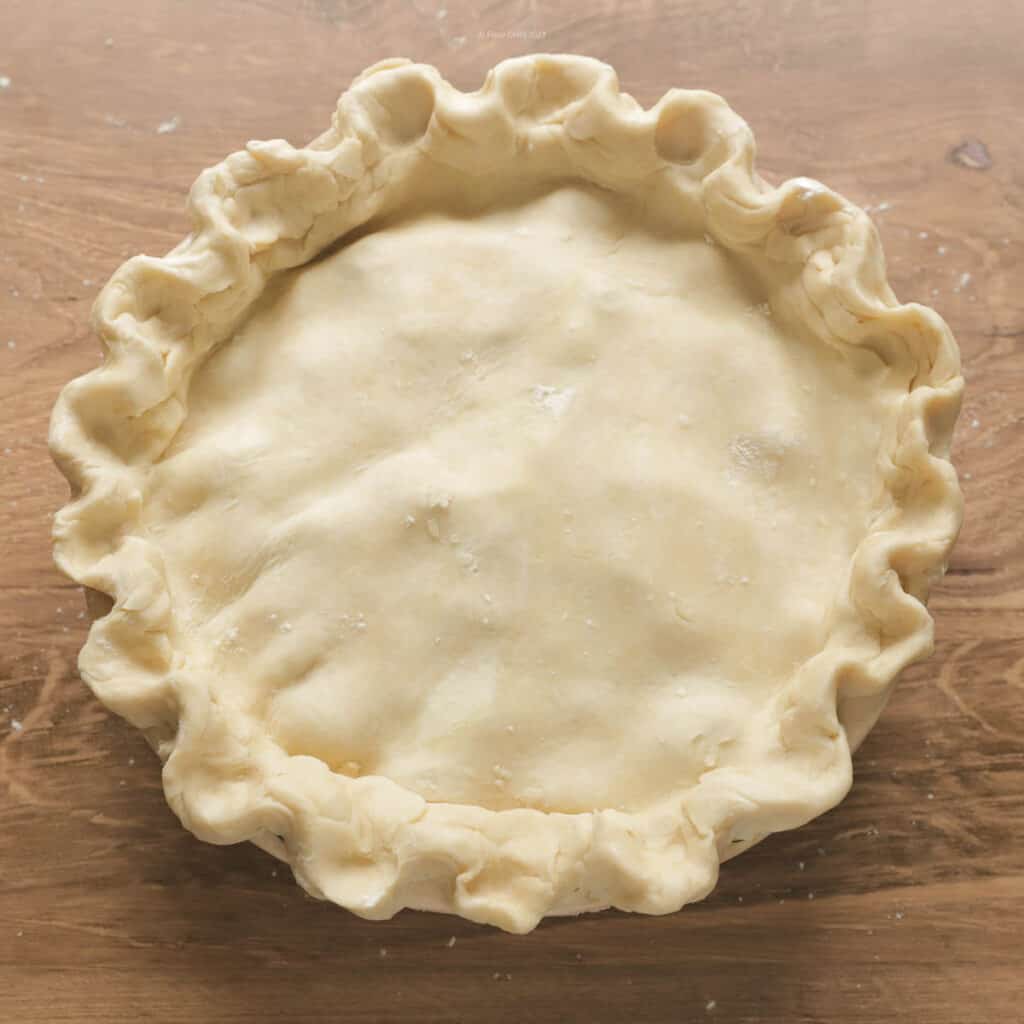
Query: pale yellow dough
[[552, 535]]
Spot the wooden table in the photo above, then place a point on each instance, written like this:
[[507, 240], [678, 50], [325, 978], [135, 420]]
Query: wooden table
[[906, 903]]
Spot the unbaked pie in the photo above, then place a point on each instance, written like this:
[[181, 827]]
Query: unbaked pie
[[511, 505]]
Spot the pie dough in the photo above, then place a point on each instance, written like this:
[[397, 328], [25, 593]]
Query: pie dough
[[511, 504]]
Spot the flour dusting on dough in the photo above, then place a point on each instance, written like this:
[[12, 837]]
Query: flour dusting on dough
[[553, 400]]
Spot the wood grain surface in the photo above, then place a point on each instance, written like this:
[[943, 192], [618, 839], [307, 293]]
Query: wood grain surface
[[904, 903]]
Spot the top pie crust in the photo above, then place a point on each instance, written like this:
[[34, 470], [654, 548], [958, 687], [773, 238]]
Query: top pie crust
[[552, 537]]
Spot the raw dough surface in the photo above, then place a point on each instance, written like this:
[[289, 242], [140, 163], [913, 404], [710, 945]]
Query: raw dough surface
[[482, 504], [511, 504]]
